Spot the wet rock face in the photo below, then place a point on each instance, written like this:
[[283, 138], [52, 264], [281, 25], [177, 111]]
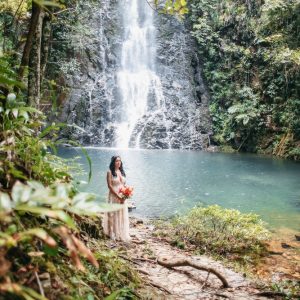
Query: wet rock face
[[182, 121], [93, 93], [186, 98]]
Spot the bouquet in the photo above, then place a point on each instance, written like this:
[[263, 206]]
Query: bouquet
[[126, 192]]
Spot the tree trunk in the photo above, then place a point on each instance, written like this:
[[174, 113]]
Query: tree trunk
[[34, 75], [46, 37], [35, 13]]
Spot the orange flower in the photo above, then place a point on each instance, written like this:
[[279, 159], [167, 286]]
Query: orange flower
[[126, 192]]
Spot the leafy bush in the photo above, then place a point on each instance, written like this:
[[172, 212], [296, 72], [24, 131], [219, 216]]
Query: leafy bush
[[221, 231], [32, 213], [251, 58], [24, 146], [41, 213], [289, 288]]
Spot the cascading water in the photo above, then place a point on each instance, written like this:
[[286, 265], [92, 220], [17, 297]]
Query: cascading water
[[138, 82], [137, 76]]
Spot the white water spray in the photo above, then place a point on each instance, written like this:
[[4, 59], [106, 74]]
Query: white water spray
[[137, 76]]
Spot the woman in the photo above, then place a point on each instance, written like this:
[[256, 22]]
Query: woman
[[116, 224]]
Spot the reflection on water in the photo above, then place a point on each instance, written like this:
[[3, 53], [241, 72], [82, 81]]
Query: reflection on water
[[168, 182]]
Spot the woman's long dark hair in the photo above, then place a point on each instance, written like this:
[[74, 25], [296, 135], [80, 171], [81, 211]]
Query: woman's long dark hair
[[112, 166]]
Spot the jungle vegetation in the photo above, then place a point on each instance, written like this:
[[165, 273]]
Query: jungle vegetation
[[49, 231], [250, 50]]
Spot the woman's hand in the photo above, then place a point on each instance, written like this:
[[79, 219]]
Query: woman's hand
[[121, 200]]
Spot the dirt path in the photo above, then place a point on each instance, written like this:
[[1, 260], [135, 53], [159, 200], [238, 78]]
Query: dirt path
[[283, 263], [182, 282]]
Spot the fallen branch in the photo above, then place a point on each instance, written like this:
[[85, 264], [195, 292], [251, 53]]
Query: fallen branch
[[159, 287], [39, 284], [184, 262]]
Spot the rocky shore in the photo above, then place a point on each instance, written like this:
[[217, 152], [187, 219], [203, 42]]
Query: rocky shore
[[152, 257]]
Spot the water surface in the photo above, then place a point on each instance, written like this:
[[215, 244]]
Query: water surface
[[172, 181]]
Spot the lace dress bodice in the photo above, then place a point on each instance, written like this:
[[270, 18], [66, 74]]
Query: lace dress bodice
[[117, 182]]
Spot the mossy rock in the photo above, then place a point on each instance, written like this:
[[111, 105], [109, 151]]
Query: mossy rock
[[90, 226], [227, 149]]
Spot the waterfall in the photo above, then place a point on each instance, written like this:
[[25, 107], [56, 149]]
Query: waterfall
[[137, 76], [139, 82]]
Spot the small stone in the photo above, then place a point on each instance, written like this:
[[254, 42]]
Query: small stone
[[286, 246], [297, 237]]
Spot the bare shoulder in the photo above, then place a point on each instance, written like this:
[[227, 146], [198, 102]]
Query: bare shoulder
[[108, 177]]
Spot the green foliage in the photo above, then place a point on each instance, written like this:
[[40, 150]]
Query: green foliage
[[8, 78], [13, 6], [57, 203], [41, 209], [27, 144], [72, 35], [294, 153], [220, 231], [250, 54], [34, 212], [124, 293], [115, 274], [23, 154], [35, 218], [289, 288], [114, 279], [173, 7]]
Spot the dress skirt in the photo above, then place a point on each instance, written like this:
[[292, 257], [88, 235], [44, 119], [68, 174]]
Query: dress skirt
[[116, 224]]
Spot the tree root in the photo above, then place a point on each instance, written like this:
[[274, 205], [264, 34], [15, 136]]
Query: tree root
[[143, 272], [151, 261], [159, 287], [184, 262], [132, 261]]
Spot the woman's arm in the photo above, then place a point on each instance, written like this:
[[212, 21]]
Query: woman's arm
[[109, 184]]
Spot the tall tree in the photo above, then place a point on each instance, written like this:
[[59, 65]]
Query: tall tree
[[45, 42], [35, 13], [34, 64]]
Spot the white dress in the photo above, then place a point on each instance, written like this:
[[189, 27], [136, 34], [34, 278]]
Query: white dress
[[116, 224]]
